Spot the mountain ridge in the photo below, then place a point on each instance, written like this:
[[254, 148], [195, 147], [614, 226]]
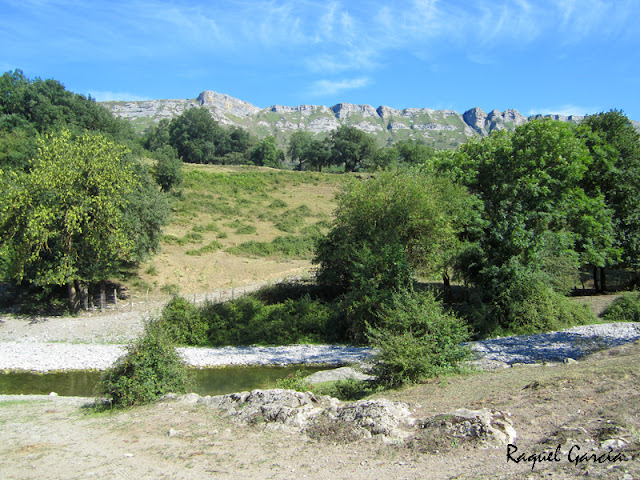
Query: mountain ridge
[[438, 128]]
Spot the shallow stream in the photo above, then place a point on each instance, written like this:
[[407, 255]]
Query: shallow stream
[[207, 381]]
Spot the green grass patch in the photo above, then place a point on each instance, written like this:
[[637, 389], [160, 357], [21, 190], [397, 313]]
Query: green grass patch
[[289, 246], [208, 248]]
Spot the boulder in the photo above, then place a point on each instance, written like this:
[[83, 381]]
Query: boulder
[[480, 428], [337, 374]]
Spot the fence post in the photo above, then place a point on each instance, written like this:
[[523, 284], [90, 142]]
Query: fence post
[[115, 296]]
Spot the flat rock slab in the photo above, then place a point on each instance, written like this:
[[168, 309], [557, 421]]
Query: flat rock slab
[[337, 374]]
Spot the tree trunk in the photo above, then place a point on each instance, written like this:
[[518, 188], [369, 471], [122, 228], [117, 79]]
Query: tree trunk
[[83, 296], [603, 279], [73, 298], [447, 286], [102, 296], [596, 283]]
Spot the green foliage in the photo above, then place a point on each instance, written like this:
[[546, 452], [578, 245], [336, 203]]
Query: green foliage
[[247, 321], [193, 135], [625, 308], [349, 390], [149, 369], [45, 106], [66, 219], [168, 169], [521, 301], [181, 322], [82, 211], [541, 211], [290, 220], [614, 144], [416, 339], [295, 381], [208, 248], [405, 215], [146, 213], [352, 147], [300, 145], [415, 152], [289, 246], [266, 154]]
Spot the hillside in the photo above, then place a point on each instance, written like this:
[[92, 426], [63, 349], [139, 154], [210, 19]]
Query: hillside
[[234, 225], [438, 128]]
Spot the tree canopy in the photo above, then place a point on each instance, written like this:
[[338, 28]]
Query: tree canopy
[[72, 219]]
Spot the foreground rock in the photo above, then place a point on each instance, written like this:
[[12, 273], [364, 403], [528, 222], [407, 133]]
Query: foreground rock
[[480, 428], [337, 374], [326, 418]]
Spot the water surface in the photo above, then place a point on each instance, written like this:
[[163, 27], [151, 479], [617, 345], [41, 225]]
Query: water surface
[[207, 381]]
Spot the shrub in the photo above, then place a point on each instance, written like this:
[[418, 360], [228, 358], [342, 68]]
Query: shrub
[[182, 323], [295, 381], [208, 248], [416, 339], [149, 369], [625, 308], [248, 321], [521, 301]]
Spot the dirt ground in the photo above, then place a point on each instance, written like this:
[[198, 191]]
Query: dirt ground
[[581, 405]]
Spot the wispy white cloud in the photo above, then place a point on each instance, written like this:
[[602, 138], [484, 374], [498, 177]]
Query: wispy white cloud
[[332, 87], [566, 110], [117, 96]]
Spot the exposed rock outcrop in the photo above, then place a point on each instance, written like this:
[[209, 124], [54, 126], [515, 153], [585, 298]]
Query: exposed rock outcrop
[[337, 374], [481, 428], [439, 128], [322, 417]]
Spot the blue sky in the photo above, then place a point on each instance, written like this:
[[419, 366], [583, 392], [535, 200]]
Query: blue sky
[[538, 56]]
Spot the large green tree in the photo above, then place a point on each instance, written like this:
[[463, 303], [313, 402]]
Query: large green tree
[[531, 182], [352, 147], [193, 134], [387, 228], [46, 105], [614, 144], [300, 145], [72, 219], [267, 154]]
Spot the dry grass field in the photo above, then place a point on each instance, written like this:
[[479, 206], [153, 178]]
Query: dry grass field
[[223, 226]]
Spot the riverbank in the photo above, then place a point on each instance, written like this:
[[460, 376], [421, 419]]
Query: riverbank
[[47, 357], [573, 343], [591, 405]]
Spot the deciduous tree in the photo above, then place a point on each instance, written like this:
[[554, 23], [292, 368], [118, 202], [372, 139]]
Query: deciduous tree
[[69, 220]]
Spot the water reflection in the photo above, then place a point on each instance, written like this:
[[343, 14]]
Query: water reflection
[[208, 381]]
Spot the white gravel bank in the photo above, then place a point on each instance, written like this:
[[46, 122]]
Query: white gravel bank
[[553, 347], [46, 357]]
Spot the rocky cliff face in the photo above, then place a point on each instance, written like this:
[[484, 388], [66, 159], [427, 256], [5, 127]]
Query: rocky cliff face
[[439, 128]]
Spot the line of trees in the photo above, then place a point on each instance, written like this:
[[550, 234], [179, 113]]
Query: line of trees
[[509, 212]]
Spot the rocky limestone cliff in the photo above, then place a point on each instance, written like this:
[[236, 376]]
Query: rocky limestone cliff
[[439, 128]]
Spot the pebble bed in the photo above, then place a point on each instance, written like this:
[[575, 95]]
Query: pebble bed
[[548, 347], [572, 343]]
